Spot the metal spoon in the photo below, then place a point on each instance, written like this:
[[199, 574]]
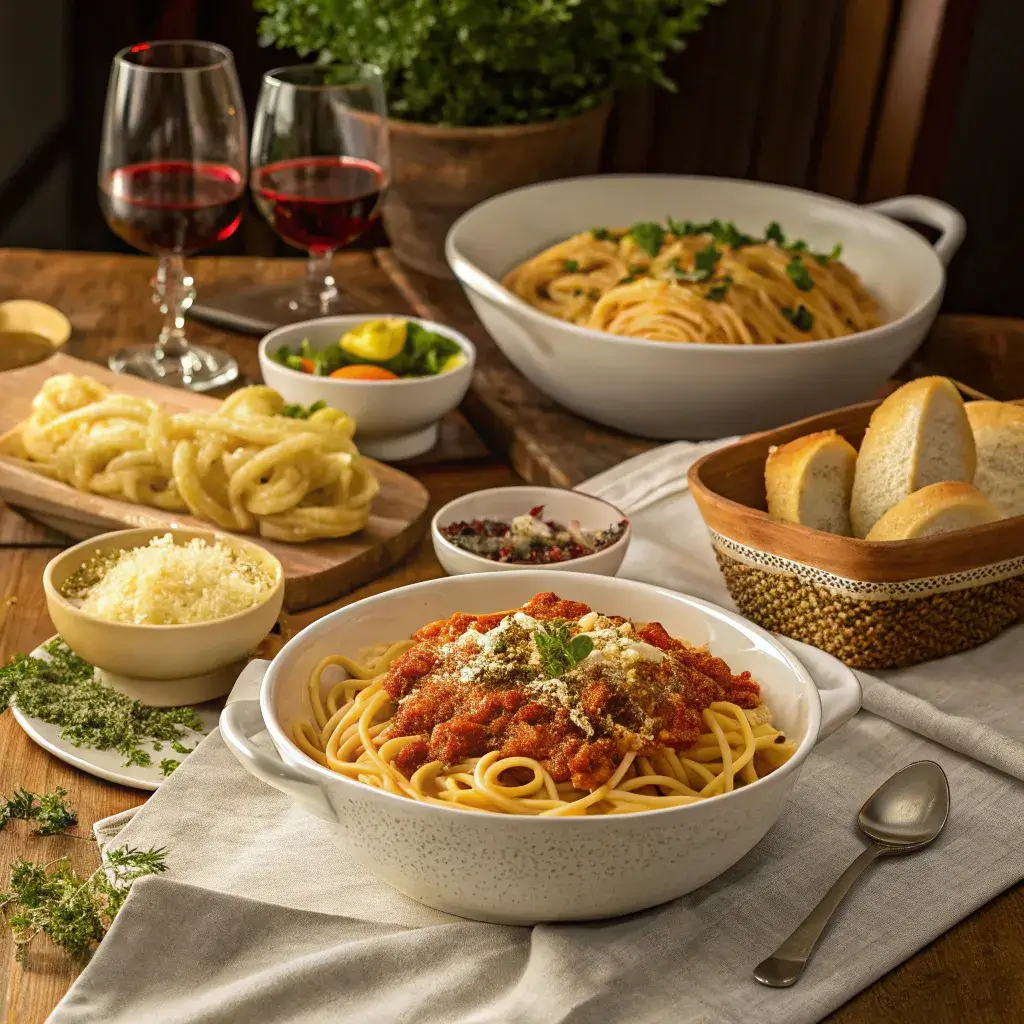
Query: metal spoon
[[905, 813]]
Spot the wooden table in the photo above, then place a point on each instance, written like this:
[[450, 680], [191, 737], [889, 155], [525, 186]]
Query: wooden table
[[974, 973]]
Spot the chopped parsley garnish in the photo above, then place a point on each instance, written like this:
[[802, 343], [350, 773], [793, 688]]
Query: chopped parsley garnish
[[633, 275], [303, 412], [773, 233], [827, 257], [167, 765], [681, 228], [648, 236], [601, 234], [799, 274], [571, 265], [577, 291], [718, 291], [801, 318], [559, 650], [65, 692], [704, 264]]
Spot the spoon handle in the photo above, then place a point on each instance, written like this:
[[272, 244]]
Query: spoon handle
[[785, 966]]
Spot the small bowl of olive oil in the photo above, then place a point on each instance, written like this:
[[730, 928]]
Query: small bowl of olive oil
[[30, 332]]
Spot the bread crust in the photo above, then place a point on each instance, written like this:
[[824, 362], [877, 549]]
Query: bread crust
[[908, 518]]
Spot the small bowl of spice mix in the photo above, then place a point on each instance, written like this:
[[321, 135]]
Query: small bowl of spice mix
[[163, 613], [530, 528]]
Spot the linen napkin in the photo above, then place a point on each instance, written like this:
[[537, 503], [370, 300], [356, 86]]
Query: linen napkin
[[262, 918]]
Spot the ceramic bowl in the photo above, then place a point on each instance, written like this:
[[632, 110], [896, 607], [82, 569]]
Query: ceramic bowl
[[395, 419], [694, 391], [504, 503], [521, 870], [161, 665]]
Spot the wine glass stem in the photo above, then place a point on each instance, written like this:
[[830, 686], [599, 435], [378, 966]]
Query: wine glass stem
[[320, 289], [173, 292]]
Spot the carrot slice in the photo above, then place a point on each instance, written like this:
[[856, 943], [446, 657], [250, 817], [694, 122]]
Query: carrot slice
[[363, 371]]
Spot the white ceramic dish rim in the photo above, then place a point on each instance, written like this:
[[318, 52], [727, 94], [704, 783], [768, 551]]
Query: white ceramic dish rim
[[49, 588], [583, 560], [498, 291], [467, 347], [308, 769]]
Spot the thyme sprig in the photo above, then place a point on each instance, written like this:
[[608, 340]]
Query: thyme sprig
[[52, 899], [50, 811]]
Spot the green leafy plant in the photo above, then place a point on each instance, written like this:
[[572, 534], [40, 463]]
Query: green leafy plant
[[559, 650], [53, 899], [490, 62]]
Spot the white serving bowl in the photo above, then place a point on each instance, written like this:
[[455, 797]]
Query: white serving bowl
[[505, 502], [521, 870], [665, 390], [395, 419]]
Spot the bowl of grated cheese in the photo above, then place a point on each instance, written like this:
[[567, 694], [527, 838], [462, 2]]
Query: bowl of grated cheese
[[164, 613]]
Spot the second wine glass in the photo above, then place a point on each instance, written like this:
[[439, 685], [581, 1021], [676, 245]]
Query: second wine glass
[[320, 168]]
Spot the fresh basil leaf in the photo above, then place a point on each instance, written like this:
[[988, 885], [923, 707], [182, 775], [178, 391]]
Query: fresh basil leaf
[[579, 647]]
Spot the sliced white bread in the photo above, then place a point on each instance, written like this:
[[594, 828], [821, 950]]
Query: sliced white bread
[[998, 429], [937, 508], [918, 436], [809, 480]]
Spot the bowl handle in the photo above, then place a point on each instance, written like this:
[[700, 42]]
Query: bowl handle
[[936, 214], [239, 722], [838, 686]]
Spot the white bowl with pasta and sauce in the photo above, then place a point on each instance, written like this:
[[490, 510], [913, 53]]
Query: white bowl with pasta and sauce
[[543, 860], [701, 389]]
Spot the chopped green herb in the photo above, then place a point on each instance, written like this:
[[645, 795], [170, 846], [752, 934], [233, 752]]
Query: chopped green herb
[[167, 765], [773, 233], [799, 274], [577, 291], [559, 650], [303, 412], [572, 265], [180, 748], [718, 291], [648, 236], [801, 318], [601, 234], [65, 692], [682, 228], [827, 257]]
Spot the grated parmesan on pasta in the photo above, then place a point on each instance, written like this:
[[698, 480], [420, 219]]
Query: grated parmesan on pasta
[[168, 584]]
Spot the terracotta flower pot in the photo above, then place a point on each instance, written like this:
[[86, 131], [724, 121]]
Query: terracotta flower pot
[[438, 173]]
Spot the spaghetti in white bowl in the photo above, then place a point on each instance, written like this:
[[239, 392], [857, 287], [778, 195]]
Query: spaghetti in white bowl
[[678, 345], [487, 860]]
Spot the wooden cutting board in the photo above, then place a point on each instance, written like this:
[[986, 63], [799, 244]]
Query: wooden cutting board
[[315, 572]]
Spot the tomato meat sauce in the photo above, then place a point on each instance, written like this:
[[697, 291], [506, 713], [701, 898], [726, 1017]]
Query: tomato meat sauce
[[479, 683]]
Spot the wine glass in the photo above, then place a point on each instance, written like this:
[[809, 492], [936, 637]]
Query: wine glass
[[320, 167], [171, 180]]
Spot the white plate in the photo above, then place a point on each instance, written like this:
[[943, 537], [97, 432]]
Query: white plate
[[109, 764]]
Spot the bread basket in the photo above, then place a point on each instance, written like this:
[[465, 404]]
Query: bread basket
[[872, 605]]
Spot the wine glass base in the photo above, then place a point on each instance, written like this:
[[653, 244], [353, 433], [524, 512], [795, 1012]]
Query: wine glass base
[[199, 369], [261, 308]]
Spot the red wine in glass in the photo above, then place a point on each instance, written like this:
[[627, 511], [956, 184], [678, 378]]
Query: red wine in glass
[[173, 206], [320, 168], [319, 203]]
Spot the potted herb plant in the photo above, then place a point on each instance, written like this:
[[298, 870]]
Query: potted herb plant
[[485, 95]]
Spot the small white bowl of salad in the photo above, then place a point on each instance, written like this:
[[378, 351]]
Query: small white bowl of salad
[[530, 528], [395, 376]]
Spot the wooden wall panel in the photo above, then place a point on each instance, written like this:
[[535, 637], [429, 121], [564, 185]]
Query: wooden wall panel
[[854, 96]]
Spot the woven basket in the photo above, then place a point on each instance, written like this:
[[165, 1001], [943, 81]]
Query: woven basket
[[872, 605]]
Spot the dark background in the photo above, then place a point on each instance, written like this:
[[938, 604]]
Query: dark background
[[754, 91]]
